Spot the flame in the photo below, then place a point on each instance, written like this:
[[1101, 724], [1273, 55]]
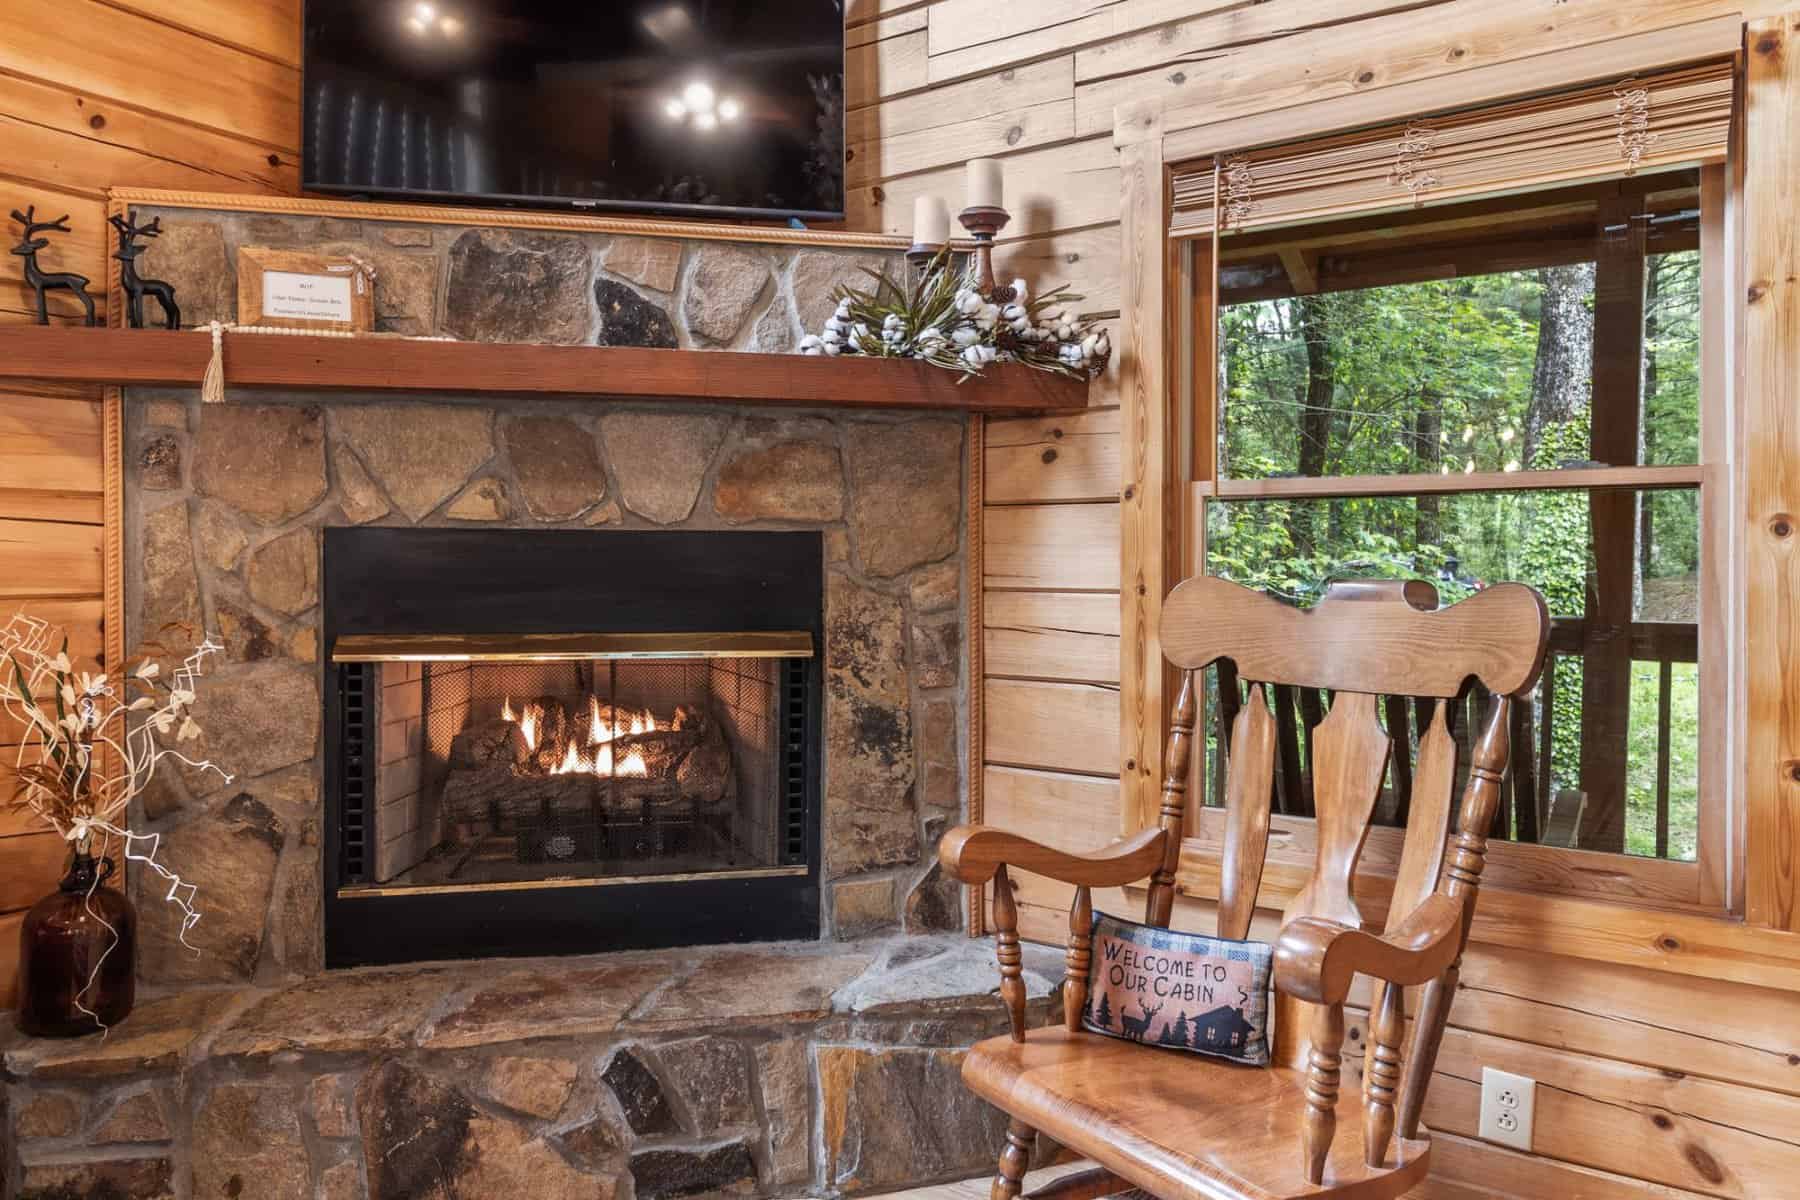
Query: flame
[[596, 756]]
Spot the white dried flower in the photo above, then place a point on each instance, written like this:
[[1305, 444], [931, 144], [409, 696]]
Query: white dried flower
[[189, 731], [1088, 343], [1102, 344], [843, 309], [968, 302], [181, 697], [148, 670], [832, 349], [965, 335], [60, 664], [835, 325], [1020, 291], [812, 344]]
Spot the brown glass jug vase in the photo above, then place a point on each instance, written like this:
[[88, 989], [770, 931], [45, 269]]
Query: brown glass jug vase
[[64, 938]]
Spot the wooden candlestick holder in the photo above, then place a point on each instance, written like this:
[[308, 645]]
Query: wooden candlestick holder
[[920, 254], [983, 223]]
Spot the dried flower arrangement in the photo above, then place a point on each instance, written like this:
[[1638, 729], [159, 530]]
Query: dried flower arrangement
[[944, 319], [79, 770]]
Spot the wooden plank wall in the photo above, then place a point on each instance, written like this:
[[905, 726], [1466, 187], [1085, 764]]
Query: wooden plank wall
[[203, 95], [1651, 1084]]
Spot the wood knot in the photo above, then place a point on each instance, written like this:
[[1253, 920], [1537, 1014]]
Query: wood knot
[[1049, 457], [274, 160], [1704, 1163], [1768, 43], [1668, 942], [849, 153], [1794, 1060], [1756, 292], [1459, 52], [1130, 490], [878, 193], [1131, 764], [1056, 433], [96, 122], [1781, 525], [1365, 77], [1014, 134], [1661, 1121], [1791, 769], [1178, 78]]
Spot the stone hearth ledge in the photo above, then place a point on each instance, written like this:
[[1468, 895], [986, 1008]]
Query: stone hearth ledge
[[813, 1069], [495, 1002]]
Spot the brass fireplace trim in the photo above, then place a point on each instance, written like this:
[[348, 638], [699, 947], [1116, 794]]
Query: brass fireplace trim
[[567, 647], [361, 891]]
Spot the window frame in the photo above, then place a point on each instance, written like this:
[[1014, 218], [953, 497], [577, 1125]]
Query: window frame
[[1713, 883]]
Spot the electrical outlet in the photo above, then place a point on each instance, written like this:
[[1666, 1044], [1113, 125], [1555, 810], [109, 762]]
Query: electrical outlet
[[1508, 1104]]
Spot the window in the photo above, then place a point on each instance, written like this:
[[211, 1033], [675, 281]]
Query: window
[[1514, 385]]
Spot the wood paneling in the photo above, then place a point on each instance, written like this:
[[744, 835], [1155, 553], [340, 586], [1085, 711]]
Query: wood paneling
[[1771, 441], [1072, 456], [1063, 726], [1052, 635], [1057, 547], [200, 95]]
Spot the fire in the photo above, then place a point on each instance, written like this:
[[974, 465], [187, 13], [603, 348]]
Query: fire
[[596, 757]]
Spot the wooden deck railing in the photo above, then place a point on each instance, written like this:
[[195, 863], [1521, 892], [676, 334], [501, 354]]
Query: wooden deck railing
[[1532, 809]]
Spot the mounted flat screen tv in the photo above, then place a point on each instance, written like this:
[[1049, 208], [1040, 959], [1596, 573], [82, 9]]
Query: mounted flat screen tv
[[702, 107]]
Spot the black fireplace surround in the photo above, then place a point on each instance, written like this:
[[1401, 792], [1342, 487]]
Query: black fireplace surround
[[393, 583]]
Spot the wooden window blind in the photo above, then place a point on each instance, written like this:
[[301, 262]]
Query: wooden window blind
[[1673, 118]]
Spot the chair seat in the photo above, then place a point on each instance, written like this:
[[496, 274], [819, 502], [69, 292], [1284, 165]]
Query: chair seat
[[1183, 1126]]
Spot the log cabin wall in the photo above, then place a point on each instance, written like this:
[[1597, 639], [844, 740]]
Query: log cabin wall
[[1658, 1082], [148, 93]]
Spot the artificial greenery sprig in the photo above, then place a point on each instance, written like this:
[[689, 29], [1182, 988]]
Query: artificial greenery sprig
[[943, 318]]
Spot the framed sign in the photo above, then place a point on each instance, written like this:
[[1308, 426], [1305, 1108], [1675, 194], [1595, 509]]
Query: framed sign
[[296, 290]]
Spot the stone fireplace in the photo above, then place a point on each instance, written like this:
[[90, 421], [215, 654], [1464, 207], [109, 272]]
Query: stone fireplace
[[236, 513], [569, 740]]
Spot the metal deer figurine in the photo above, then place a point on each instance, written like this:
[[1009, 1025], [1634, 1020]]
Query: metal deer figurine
[[48, 281], [135, 285]]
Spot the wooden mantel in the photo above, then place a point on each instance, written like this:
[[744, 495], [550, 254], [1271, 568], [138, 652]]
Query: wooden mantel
[[156, 358]]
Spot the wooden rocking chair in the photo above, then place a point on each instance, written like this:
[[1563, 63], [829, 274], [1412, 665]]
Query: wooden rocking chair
[[1186, 1127]]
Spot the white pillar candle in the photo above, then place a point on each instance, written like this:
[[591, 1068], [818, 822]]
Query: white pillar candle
[[931, 221], [985, 189]]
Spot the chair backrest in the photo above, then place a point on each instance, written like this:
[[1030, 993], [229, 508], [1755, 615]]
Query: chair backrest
[[1364, 640]]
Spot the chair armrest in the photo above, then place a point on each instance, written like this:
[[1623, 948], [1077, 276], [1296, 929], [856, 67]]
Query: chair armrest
[[1316, 959], [972, 853]]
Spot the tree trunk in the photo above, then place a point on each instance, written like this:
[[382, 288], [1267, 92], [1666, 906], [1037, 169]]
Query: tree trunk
[[1315, 412], [1563, 377], [1428, 455]]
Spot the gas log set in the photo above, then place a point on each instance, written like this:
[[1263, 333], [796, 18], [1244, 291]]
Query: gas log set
[[546, 763]]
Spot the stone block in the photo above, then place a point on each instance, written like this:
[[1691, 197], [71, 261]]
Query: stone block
[[639, 1093], [723, 289], [653, 262], [191, 255], [284, 574], [158, 1037], [114, 1179], [556, 464], [421, 454], [483, 500], [784, 1078], [937, 588], [791, 481], [869, 816], [860, 906], [660, 459], [906, 492], [937, 654], [554, 1000], [169, 591], [818, 274], [935, 904], [247, 1141], [538, 1087], [358, 497], [893, 1117], [328, 1098], [512, 286], [48, 1115], [230, 857], [219, 536], [365, 1013], [753, 986], [265, 460], [628, 319], [711, 1080], [159, 464], [727, 1170], [137, 1117], [254, 720]]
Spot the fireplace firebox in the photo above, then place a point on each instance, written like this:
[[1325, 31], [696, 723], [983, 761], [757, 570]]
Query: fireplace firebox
[[568, 741]]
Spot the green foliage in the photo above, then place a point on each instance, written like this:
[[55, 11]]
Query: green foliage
[[1436, 377]]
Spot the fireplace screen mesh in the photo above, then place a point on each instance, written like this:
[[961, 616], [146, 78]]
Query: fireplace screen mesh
[[496, 773]]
